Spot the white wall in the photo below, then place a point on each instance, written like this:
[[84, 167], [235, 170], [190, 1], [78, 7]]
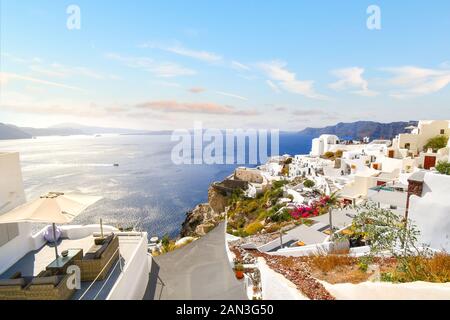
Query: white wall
[[431, 212], [394, 198], [12, 193], [276, 287], [310, 250], [389, 291], [133, 281]]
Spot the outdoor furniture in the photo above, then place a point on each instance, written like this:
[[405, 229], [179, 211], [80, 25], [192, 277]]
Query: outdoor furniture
[[45, 286], [48, 286], [60, 264], [99, 259], [13, 288]]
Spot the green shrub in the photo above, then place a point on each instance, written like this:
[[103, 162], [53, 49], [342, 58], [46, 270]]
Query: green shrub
[[240, 233], [281, 216], [443, 167], [309, 183], [279, 184], [437, 143], [253, 228], [363, 266]]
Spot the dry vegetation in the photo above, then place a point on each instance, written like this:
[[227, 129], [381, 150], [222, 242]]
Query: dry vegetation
[[340, 268], [420, 268]]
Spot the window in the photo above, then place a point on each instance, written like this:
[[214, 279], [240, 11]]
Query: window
[[407, 146], [442, 131]]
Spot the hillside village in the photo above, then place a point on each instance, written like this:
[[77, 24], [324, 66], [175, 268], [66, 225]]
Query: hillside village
[[331, 204]]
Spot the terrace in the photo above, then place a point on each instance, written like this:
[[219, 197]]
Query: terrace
[[103, 286]]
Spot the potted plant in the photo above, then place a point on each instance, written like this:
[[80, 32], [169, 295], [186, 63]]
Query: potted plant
[[239, 270]]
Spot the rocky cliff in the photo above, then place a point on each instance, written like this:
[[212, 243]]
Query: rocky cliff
[[204, 217], [361, 129]]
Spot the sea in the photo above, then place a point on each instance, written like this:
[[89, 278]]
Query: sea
[[146, 190]]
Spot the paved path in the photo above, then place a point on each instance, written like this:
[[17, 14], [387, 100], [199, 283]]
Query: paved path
[[198, 271]]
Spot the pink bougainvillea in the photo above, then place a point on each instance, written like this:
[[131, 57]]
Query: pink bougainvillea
[[316, 208]]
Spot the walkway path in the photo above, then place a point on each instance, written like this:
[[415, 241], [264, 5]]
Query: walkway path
[[198, 271]]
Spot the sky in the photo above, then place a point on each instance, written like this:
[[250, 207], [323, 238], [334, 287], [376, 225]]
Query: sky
[[285, 65]]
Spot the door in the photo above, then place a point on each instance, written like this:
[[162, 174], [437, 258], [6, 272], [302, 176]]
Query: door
[[429, 162], [391, 153]]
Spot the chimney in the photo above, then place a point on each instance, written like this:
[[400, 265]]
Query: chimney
[[415, 187]]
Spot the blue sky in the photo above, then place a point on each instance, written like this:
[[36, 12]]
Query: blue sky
[[246, 64]]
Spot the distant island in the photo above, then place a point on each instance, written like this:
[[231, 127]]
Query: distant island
[[9, 131], [353, 130], [361, 129]]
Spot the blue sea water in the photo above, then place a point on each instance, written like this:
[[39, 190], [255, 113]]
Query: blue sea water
[[146, 190]]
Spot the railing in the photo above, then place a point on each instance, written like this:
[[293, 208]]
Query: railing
[[119, 262]]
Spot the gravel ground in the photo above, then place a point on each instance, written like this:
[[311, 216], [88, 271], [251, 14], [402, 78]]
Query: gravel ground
[[298, 272]]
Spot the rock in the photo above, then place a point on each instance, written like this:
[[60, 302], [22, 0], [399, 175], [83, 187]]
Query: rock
[[204, 217], [204, 228], [217, 200]]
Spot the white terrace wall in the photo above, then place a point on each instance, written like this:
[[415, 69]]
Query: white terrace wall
[[275, 286], [133, 281], [431, 212], [14, 238], [389, 291]]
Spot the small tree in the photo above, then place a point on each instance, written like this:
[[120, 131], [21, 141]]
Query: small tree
[[385, 231], [443, 167], [437, 143], [330, 203], [309, 183]]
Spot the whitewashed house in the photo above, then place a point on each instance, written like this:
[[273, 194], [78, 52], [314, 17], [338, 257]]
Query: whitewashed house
[[323, 144], [412, 144]]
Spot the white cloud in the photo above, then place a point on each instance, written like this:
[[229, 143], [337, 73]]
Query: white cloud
[[287, 80], [231, 95], [352, 79], [273, 86], [63, 71], [414, 81], [160, 69], [9, 77], [186, 52], [239, 66], [56, 70]]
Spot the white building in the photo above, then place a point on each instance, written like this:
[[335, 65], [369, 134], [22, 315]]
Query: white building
[[431, 211], [323, 144], [412, 144]]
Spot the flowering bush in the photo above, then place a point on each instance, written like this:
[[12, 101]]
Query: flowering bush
[[305, 212], [317, 208]]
